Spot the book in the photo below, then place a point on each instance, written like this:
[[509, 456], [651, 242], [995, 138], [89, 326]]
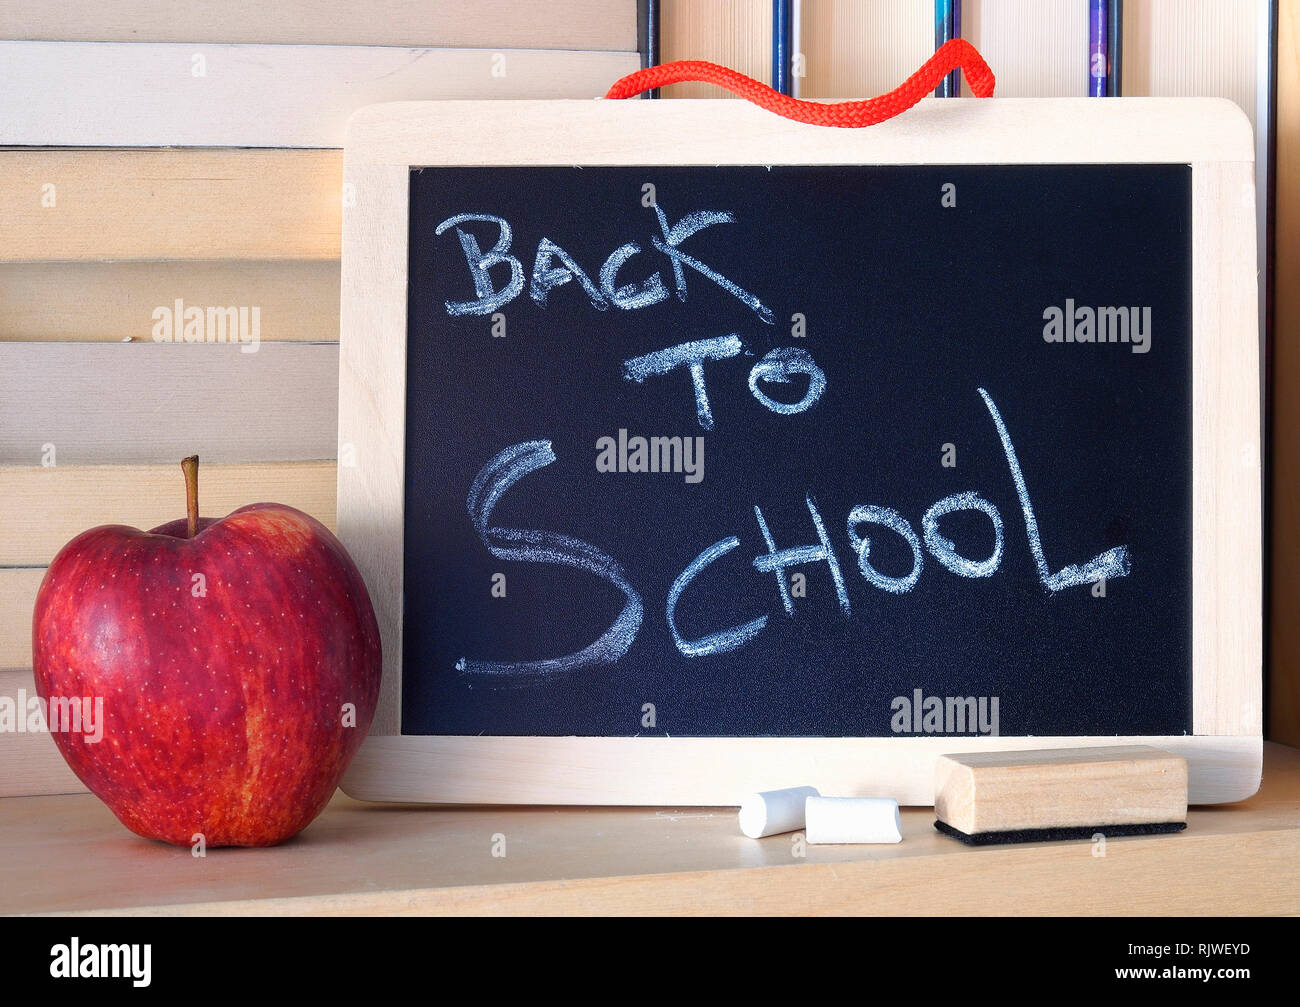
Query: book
[[147, 94], [85, 205], [1036, 48], [124, 403], [573, 24], [98, 301], [44, 508]]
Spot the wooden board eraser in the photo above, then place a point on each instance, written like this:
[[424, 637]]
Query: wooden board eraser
[[988, 792]]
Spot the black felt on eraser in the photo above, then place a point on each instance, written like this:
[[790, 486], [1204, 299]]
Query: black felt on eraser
[[1057, 834]]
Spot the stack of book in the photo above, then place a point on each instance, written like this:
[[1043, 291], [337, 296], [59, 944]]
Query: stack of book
[[170, 207], [1037, 48]]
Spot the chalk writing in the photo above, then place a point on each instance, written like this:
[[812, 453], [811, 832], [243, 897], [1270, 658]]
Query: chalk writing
[[553, 267], [511, 465], [777, 366], [889, 518], [725, 639], [691, 356], [945, 551], [1112, 563], [526, 546]]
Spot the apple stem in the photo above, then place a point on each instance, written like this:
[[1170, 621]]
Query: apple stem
[[190, 466]]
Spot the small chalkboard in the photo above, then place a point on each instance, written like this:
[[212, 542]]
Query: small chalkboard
[[830, 444]]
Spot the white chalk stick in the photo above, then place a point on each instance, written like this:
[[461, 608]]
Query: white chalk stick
[[774, 811], [852, 820]]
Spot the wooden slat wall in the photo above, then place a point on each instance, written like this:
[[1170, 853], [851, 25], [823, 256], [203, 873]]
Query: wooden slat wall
[[123, 403], [42, 508], [29, 763], [147, 94], [17, 598], [91, 301], [18, 589], [1284, 587], [103, 222], [575, 24], [89, 205], [130, 231]]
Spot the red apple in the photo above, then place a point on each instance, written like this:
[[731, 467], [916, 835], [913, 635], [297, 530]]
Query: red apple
[[237, 660]]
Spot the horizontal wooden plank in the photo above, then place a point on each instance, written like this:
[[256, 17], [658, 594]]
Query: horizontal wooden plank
[[574, 24], [115, 403], [170, 204], [723, 132], [359, 860], [115, 301], [41, 509], [18, 586], [30, 764], [144, 94], [703, 771]]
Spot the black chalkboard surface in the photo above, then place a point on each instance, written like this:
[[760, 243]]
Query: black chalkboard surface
[[918, 432]]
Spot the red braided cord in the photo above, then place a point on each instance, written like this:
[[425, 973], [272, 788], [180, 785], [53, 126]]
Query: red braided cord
[[948, 57]]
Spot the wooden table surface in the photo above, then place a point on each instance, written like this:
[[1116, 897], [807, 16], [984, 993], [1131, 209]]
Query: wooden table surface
[[69, 855]]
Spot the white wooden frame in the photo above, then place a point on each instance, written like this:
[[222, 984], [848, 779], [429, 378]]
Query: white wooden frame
[[1224, 750]]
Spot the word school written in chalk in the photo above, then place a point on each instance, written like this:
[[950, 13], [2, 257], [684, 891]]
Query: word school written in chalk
[[512, 465]]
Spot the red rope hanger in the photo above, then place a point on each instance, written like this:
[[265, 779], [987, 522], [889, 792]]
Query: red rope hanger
[[849, 114]]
